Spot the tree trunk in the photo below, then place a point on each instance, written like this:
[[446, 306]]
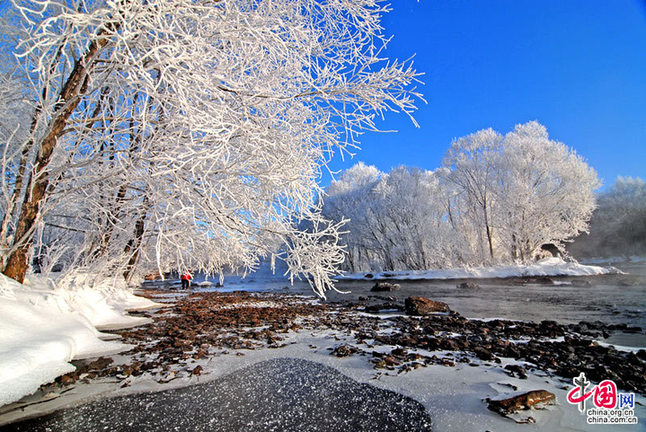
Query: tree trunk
[[489, 230], [134, 244], [74, 87]]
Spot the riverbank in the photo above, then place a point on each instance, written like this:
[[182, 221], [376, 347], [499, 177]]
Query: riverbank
[[446, 362]]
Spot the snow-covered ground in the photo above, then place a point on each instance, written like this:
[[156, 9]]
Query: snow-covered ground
[[43, 326], [546, 267], [453, 396]]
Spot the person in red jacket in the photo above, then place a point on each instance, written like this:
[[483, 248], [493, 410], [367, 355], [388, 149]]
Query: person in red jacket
[[186, 279]]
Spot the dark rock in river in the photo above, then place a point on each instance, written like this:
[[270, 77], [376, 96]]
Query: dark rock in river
[[424, 306], [468, 285], [369, 276], [384, 286]]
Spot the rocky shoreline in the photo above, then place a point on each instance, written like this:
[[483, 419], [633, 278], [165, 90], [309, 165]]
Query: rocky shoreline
[[395, 337], [211, 323]]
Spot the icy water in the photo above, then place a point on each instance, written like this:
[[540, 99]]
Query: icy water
[[612, 299], [275, 395]]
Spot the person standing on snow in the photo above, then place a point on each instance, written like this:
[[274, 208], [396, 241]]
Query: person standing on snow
[[186, 279]]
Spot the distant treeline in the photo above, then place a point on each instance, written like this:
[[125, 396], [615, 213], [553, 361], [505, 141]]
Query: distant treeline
[[618, 225], [496, 199]]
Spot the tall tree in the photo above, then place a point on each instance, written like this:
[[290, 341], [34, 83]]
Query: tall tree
[[235, 107], [472, 171]]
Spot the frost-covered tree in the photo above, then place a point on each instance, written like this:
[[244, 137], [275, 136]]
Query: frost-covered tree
[[472, 172], [409, 214], [183, 133], [545, 192], [517, 193], [351, 198], [497, 199], [395, 219]]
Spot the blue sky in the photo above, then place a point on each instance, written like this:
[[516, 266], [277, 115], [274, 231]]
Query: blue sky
[[578, 67]]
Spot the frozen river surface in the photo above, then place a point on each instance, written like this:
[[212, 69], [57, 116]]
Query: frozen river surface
[[275, 395]]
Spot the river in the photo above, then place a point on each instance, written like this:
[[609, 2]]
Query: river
[[612, 299]]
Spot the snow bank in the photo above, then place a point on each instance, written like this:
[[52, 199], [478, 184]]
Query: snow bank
[[546, 267], [44, 327], [105, 303]]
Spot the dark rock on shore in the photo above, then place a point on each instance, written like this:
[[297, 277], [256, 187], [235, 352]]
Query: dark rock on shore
[[516, 370], [344, 351], [424, 306], [377, 308], [519, 402], [543, 280]]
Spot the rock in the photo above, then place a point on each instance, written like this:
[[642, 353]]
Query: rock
[[424, 306], [369, 276], [377, 308], [449, 345], [66, 380], [518, 370], [100, 363], [197, 371], [468, 285], [343, 351], [384, 286], [483, 353], [521, 402], [153, 276], [391, 361]]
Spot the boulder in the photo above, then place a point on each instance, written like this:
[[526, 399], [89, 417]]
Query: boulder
[[483, 353], [377, 308], [384, 286], [516, 370], [468, 285], [344, 351], [424, 306], [522, 401]]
